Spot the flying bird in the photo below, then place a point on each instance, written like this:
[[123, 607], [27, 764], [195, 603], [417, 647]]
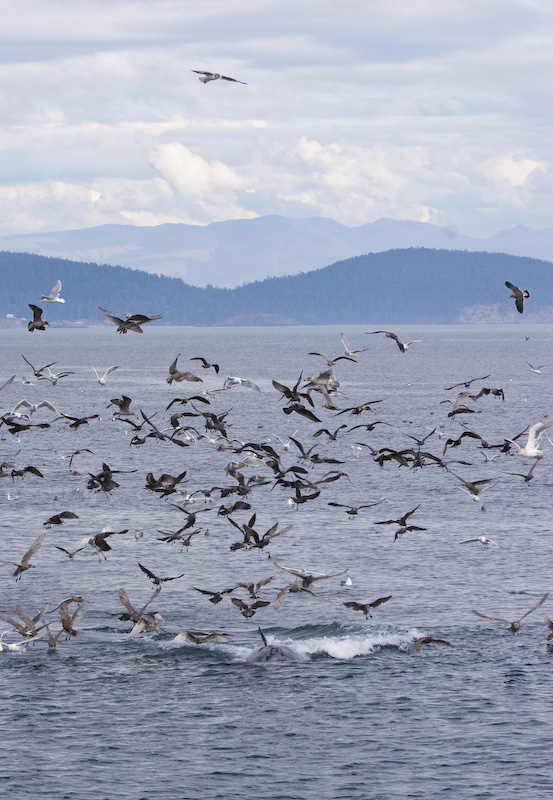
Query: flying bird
[[248, 609], [515, 626], [132, 321], [188, 636], [366, 607], [178, 376], [206, 77], [215, 597], [157, 581], [205, 364], [59, 519], [25, 564], [531, 449], [37, 371], [231, 381], [518, 295], [37, 323], [538, 370], [347, 349], [101, 379], [483, 540], [402, 345], [148, 622], [54, 296], [429, 640]]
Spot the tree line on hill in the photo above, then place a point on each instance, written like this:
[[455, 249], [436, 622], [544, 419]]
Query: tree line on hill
[[404, 286]]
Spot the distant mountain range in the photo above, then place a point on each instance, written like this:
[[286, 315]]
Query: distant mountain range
[[410, 286], [231, 253]]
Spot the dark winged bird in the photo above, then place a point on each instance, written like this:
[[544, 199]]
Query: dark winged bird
[[176, 375], [68, 620], [143, 621], [331, 361], [124, 406], [215, 597], [519, 295], [466, 384], [189, 636], [132, 322], [515, 626], [157, 581], [206, 77], [429, 640], [205, 364], [302, 584], [402, 521], [76, 422], [36, 323], [249, 609], [402, 345], [366, 607], [20, 473], [97, 542], [253, 588], [29, 625], [59, 519], [354, 510], [293, 394], [37, 371], [25, 564]]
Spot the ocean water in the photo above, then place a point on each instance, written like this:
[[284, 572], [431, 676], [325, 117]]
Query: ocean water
[[104, 715]]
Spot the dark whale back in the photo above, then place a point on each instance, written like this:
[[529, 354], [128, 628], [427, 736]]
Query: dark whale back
[[273, 652]]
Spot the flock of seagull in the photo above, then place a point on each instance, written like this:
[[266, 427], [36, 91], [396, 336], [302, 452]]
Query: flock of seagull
[[194, 421]]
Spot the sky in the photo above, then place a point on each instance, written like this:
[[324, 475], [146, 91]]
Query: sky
[[428, 110]]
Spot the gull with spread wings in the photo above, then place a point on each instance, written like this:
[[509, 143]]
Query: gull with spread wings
[[206, 77]]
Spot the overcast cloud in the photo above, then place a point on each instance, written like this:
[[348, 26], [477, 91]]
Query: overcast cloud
[[428, 110]]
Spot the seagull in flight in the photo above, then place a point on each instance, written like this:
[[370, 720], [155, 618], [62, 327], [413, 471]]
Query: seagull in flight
[[515, 626], [519, 295], [389, 335], [37, 323], [54, 296], [538, 370], [101, 379], [483, 540], [231, 381], [132, 321], [531, 450], [206, 77]]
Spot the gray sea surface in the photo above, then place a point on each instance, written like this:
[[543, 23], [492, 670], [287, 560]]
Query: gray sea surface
[[107, 715]]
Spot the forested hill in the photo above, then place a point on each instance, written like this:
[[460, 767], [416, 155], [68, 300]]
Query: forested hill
[[415, 285]]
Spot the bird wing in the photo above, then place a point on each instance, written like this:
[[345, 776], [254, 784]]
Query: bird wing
[[282, 595], [376, 603], [538, 604], [355, 606], [225, 78], [116, 320], [33, 548], [37, 312], [124, 598], [9, 620], [7, 383], [494, 619], [148, 572], [153, 597]]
